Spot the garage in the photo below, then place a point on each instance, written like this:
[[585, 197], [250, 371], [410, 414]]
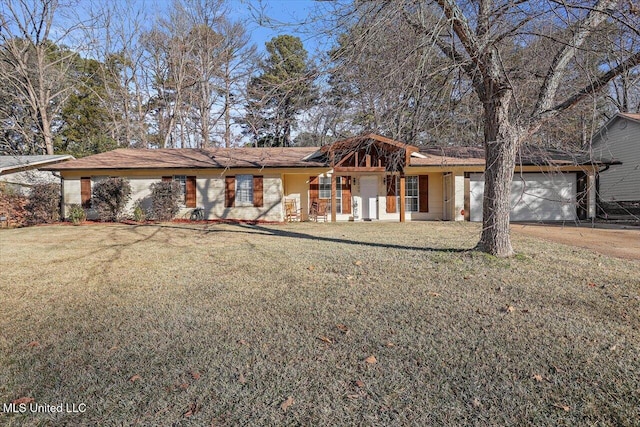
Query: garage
[[534, 197]]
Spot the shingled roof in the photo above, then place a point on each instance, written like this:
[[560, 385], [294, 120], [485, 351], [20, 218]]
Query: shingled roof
[[301, 157], [11, 164], [528, 155], [189, 158]]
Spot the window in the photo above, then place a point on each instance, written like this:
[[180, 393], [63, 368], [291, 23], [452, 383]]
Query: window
[[244, 189], [324, 191], [324, 188], [410, 193], [182, 181]]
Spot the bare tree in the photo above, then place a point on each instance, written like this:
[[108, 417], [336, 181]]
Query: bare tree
[[35, 64], [481, 38], [120, 28]]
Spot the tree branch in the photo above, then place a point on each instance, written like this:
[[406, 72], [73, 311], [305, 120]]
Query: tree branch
[[559, 65], [594, 86]]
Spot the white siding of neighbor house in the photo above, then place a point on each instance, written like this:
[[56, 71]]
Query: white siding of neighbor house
[[22, 181], [620, 141]]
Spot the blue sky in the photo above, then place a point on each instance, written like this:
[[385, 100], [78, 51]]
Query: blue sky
[[268, 18], [283, 17]]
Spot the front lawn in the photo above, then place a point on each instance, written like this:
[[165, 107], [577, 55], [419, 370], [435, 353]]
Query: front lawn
[[314, 324]]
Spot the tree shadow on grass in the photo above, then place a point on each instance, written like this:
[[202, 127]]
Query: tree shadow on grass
[[257, 229]]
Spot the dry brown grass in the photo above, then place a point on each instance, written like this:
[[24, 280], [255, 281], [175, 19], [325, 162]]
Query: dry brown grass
[[223, 323]]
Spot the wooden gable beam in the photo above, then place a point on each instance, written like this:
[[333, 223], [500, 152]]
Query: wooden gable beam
[[347, 157]]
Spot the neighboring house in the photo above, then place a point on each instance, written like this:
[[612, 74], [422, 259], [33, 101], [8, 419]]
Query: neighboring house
[[368, 177], [619, 186], [21, 172]]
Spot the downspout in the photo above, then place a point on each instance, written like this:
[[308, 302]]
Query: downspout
[[606, 168]]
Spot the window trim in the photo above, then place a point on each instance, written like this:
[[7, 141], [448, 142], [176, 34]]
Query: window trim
[[183, 188], [242, 193], [407, 196]]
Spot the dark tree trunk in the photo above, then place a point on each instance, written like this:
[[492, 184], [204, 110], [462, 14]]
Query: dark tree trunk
[[501, 140]]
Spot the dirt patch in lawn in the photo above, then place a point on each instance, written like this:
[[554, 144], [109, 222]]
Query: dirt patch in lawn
[[620, 242]]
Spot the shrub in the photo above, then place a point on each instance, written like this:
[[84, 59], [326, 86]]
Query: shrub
[[44, 203], [76, 214], [138, 212], [110, 197], [12, 205], [165, 200]]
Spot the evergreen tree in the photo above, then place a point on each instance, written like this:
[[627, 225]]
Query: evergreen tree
[[284, 88]]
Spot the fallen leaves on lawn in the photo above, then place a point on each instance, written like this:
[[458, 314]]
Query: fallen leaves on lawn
[[371, 360], [193, 408], [538, 377], [359, 384], [508, 309], [287, 403], [476, 402], [565, 408], [195, 375], [390, 344], [184, 386], [325, 339], [241, 378], [357, 262], [243, 342], [23, 401], [311, 268], [135, 378], [33, 344], [434, 294], [342, 328]]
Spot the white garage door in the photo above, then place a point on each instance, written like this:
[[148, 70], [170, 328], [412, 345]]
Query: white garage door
[[534, 197]]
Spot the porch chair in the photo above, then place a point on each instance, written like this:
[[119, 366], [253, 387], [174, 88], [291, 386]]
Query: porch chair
[[291, 210], [318, 209]]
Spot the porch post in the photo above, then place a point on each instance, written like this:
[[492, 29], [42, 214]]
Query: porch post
[[401, 202], [334, 186], [458, 195]]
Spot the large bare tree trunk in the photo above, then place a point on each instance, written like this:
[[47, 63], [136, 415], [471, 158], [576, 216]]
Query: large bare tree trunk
[[501, 144]]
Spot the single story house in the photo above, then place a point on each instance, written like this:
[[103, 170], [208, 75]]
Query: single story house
[[21, 172], [619, 186], [368, 177]]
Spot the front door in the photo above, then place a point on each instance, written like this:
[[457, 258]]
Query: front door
[[369, 195]]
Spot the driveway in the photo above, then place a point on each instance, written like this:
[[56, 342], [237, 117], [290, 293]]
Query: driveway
[[614, 240]]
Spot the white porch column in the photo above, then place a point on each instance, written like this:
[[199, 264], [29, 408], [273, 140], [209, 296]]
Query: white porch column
[[458, 191]]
